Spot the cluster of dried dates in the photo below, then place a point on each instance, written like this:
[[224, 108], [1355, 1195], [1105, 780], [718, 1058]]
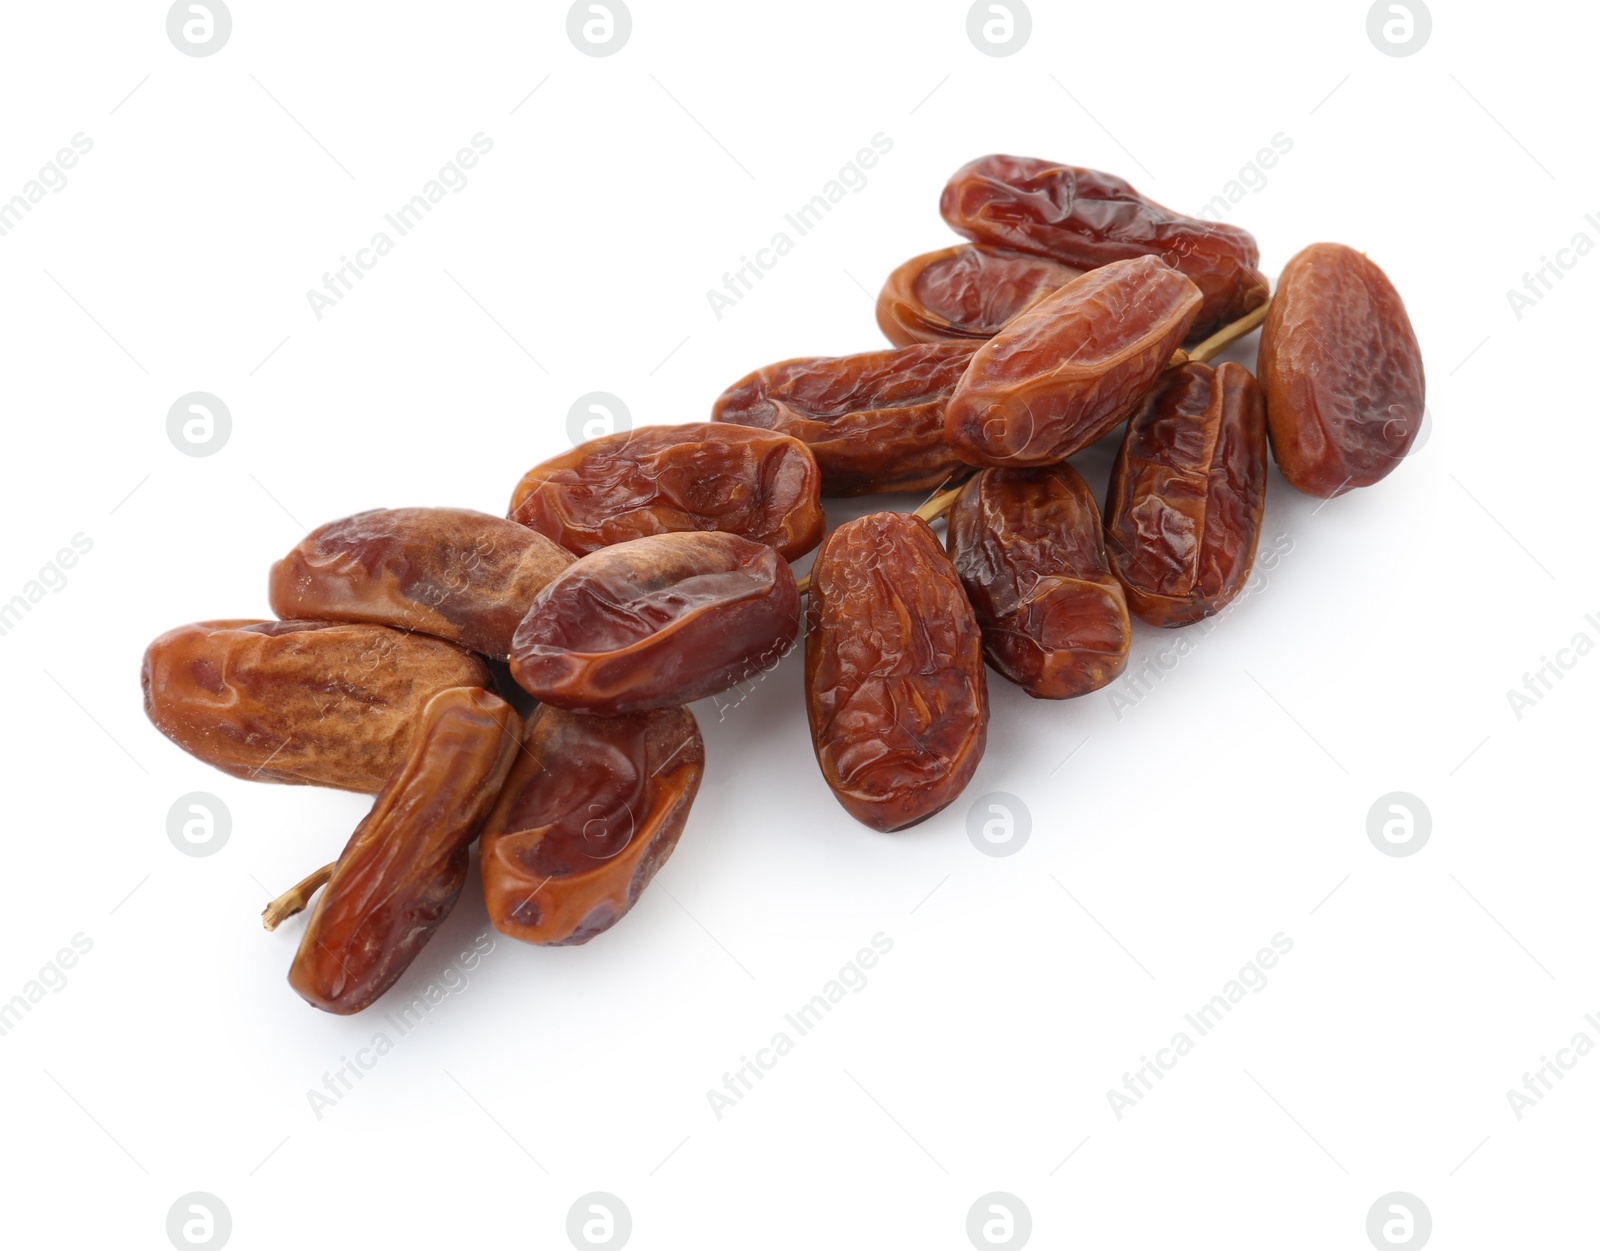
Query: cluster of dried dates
[[522, 681]]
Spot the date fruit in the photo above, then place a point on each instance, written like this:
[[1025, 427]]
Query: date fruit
[[299, 701], [1072, 367], [592, 809], [656, 622], [1342, 371], [403, 868], [1027, 546], [760, 485], [1183, 512], [450, 572], [874, 421], [1086, 218], [965, 292], [895, 687]]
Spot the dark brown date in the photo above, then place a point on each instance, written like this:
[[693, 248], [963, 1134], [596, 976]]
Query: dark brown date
[[299, 701], [895, 687], [874, 421], [450, 572], [760, 485], [1086, 218], [1027, 546], [403, 868], [592, 809], [1072, 367], [1342, 372], [656, 622], [1183, 512], [965, 292]]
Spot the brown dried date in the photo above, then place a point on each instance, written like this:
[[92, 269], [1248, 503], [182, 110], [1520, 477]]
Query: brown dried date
[[1086, 218], [965, 292], [895, 689], [656, 622], [592, 809], [450, 572], [403, 868], [1072, 366], [1027, 546], [299, 701], [1183, 512], [874, 421], [1342, 372], [760, 485]]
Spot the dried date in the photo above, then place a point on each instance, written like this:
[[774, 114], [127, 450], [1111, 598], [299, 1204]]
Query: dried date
[[299, 701], [760, 485], [965, 292], [1072, 367], [403, 868], [457, 574], [655, 623], [1027, 546], [593, 807], [1087, 218], [1183, 512], [895, 688], [874, 421], [1342, 372]]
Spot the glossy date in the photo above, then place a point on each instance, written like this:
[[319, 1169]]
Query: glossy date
[[1027, 546], [760, 485], [874, 421], [1087, 218], [403, 868], [1072, 367], [456, 574], [656, 622], [593, 807], [895, 689], [1342, 372], [965, 292], [299, 701], [1183, 512]]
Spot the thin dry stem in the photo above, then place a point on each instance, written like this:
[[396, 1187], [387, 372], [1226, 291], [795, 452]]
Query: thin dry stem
[[1208, 348], [296, 897]]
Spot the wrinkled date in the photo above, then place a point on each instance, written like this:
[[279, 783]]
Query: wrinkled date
[[1342, 372], [1027, 546], [894, 672], [1088, 219], [1184, 509], [450, 572], [965, 292], [656, 622], [757, 484], [1071, 367], [299, 701], [403, 868], [592, 809], [874, 421]]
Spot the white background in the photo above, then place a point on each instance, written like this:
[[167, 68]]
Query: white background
[[1229, 805]]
